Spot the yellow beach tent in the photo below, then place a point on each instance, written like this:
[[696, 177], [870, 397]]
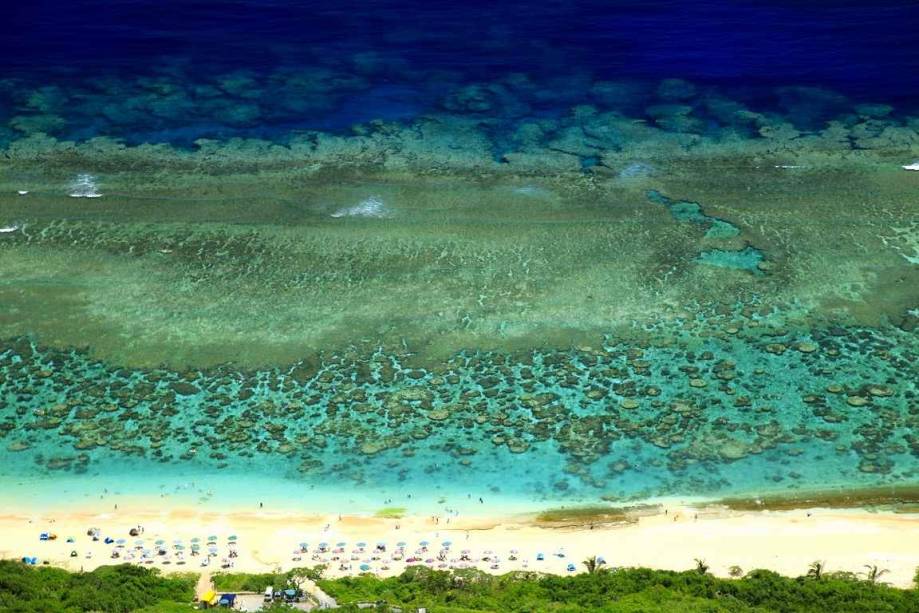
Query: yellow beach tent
[[209, 598]]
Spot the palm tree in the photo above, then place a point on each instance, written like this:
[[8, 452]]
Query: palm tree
[[592, 565], [874, 573], [815, 570], [735, 571], [701, 566]]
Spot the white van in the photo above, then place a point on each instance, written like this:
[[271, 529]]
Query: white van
[[269, 594]]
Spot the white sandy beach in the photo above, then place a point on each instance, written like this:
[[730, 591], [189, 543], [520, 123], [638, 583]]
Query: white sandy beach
[[786, 541]]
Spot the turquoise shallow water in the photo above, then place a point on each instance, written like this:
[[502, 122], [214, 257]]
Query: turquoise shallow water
[[680, 412]]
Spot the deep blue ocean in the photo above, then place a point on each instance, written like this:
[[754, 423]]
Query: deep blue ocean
[[861, 48], [407, 54]]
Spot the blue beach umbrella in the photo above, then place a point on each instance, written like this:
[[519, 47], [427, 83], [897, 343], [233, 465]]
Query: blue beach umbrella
[[160, 542], [447, 543], [401, 544], [120, 542], [304, 546], [341, 544], [362, 544], [196, 540], [232, 537], [365, 567], [424, 543]]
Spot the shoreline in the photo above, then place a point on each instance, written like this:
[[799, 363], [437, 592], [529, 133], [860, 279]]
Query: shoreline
[[666, 536], [218, 492]]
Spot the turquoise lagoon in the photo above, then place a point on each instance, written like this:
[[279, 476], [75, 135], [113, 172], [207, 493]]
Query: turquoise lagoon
[[701, 300]]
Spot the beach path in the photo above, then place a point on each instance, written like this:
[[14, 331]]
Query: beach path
[[204, 585], [324, 600]]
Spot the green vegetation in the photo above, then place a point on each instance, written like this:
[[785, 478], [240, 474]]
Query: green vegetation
[[903, 498], [115, 589], [594, 514], [391, 512], [257, 582], [621, 590], [25, 589]]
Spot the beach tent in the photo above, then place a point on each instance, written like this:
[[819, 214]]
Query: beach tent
[[209, 598], [227, 600]]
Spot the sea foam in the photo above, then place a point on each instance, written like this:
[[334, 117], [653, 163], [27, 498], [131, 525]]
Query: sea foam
[[370, 207], [84, 186]]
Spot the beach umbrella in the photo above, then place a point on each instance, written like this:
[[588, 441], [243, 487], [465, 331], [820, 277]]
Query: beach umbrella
[[447, 543], [304, 546], [212, 538], [381, 544], [160, 542], [424, 543], [362, 544], [232, 537], [196, 540], [365, 567], [341, 544], [401, 544], [120, 542], [323, 545], [180, 547]]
